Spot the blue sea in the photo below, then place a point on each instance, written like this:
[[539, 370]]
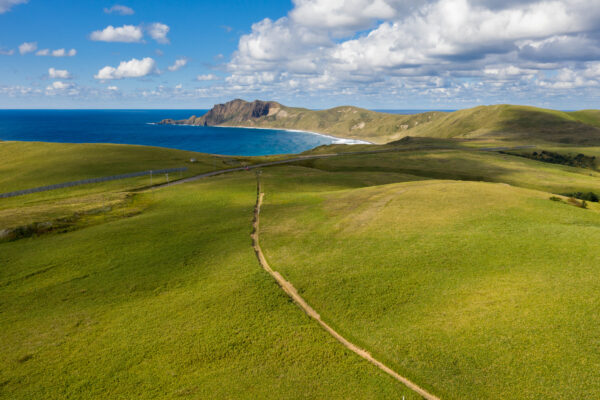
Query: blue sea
[[136, 127]]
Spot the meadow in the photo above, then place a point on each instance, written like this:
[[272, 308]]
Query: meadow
[[472, 290], [170, 303], [451, 265]]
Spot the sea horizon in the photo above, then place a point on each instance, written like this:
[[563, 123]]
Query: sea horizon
[[139, 127]]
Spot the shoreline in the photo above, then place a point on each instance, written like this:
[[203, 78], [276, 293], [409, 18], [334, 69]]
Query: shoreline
[[337, 139]]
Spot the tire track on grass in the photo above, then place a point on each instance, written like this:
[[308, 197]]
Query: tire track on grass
[[291, 291]]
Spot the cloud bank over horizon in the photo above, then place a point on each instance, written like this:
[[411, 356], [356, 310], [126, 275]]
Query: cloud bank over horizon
[[444, 48], [386, 53]]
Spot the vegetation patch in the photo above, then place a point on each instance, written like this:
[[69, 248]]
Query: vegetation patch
[[577, 203], [589, 196], [127, 207], [579, 160]]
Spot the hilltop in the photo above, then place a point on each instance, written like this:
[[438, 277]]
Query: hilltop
[[503, 122]]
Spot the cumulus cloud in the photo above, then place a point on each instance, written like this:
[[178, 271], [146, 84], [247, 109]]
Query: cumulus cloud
[[27, 47], [58, 73], [124, 34], [407, 46], [58, 85], [133, 68], [4, 52], [56, 53], [207, 77], [179, 63], [119, 9], [113, 88], [158, 32], [344, 15], [6, 5]]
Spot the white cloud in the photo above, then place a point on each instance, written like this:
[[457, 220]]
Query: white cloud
[[343, 14], [63, 89], [569, 78], [58, 73], [158, 32], [428, 47], [133, 68], [207, 77], [119, 9], [6, 5], [124, 34], [9, 52], [179, 63], [56, 53], [27, 47], [113, 88], [63, 53], [58, 85]]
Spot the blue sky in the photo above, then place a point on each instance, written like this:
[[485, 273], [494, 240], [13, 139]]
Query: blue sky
[[313, 53]]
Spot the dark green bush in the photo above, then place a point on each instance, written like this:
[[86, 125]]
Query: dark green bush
[[589, 196]]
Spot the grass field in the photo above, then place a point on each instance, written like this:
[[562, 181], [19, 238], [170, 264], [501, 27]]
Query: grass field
[[473, 290], [468, 165], [167, 304], [453, 266], [30, 164]]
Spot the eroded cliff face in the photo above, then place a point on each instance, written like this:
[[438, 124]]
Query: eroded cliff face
[[232, 112]]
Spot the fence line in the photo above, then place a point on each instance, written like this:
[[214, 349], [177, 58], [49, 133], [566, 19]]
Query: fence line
[[91, 180]]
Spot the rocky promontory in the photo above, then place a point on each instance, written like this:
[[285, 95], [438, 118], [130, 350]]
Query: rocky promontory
[[233, 112]]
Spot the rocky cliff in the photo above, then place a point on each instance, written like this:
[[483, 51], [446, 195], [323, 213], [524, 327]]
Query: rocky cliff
[[231, 113]]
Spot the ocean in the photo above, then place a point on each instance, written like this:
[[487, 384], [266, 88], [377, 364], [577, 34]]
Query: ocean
[[136, 127]]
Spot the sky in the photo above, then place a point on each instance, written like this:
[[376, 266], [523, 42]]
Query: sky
[[379, 54]]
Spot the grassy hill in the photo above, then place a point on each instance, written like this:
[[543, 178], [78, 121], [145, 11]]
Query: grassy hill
[[516, 123], [499, 122], [166, 304], [478, 290], [451, 264]]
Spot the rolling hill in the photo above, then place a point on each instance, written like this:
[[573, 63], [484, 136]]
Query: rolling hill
[[498, 122], [467, 268]]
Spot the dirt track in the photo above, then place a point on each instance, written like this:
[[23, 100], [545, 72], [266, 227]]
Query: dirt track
[[291, 291]]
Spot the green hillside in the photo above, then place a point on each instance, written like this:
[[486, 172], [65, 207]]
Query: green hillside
[[467, 271], [515, 123], [498, 122], [477, 290]]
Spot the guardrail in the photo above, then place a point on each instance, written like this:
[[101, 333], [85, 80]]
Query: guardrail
[[91, 180]]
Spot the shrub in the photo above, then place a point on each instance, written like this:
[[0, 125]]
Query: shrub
[[589, 196], [577, 203]]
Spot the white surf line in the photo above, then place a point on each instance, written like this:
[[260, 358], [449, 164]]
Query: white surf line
[[336, 139], [291, 291]]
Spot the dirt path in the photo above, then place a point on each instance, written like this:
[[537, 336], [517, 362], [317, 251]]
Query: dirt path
[[291, 291]]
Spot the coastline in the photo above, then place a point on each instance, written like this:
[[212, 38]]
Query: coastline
[[336, 139]]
